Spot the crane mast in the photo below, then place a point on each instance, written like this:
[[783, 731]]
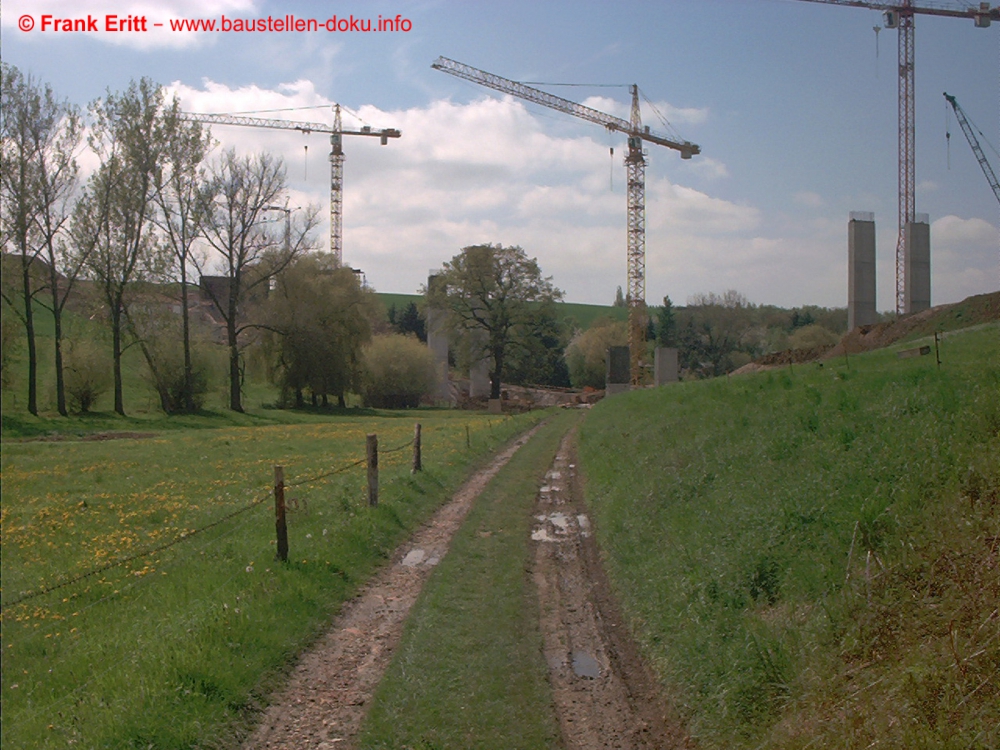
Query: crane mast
[[900, 15], [635, 165], [336, 156], [977, 150]]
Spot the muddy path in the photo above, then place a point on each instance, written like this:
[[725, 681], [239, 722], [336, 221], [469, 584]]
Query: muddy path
[[327, 696], [605, 696]]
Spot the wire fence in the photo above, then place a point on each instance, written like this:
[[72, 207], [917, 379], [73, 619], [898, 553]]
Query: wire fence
[[188, 535]]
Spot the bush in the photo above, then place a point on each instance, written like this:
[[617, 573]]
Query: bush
[[397, 372], [587, 352], [812, 337], [168, 377], [87, 375]]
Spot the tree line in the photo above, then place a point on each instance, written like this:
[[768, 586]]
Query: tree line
[[158, 211]]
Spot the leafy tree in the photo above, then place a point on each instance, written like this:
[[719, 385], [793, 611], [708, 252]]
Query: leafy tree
[[409, 321], [182, 196], [666, 324], [586, 355], [318, 319], [490, 292], [39, 135], [540, 360], [619, 298], [244, 189], [111, 221]]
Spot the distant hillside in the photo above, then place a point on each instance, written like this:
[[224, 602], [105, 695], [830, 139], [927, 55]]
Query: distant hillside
[[582, 315]]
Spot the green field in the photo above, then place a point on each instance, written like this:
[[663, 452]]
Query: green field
[[178, 647], [809, 555]]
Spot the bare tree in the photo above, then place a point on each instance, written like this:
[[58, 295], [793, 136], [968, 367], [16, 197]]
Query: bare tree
[[251, 251]]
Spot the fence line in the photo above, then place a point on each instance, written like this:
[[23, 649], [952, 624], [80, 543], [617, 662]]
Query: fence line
[[185, 535]]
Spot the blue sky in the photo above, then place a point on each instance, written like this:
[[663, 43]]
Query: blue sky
[[794, 112]]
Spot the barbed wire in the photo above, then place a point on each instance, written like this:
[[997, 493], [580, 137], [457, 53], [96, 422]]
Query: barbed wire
[[183, 536]]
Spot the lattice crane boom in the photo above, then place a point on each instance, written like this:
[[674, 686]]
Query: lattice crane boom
[[977, 150], [900, 15], [336, 132], [635, 165]]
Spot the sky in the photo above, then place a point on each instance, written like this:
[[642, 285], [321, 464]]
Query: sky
[[794, 106]]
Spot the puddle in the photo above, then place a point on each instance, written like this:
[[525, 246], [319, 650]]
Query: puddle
[[542, 535], [413, 558], [586, 665]]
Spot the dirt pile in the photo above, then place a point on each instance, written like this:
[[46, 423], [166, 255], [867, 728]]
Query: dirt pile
[[971, 311]]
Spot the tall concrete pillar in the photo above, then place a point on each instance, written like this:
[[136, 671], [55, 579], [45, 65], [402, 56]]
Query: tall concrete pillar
[[437, 342], [917, 275], [665, 369], [479, 378], [618, 365], [861, 270]]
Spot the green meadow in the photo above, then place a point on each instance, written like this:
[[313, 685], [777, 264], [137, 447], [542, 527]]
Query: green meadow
[[809, 556], [107, 646]]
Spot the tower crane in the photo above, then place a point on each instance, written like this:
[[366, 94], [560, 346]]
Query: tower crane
[[900, 15], [970, 136], [635, 164], [336, 132]]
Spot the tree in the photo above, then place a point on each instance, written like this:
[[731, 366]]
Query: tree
[[540, 359], [37, 174], [586, 355], [409, 321], [182, 196], [111, 223], [666, 324], [489, 292], [318, 320], [619, 298], [243, 190]]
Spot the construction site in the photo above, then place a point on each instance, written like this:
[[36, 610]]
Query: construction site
[[632, 384]]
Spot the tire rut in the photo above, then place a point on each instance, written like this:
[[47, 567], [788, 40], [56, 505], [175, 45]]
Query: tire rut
[[605, 696], [328, 692]]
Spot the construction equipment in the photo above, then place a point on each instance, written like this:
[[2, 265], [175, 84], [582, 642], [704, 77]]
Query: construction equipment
[[635, 164], [900, 15], [970, 136], [336, 132]]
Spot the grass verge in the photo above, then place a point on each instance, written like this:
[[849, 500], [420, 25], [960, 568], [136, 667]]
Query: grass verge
[[810, 557], [178, 649], [469, 671]]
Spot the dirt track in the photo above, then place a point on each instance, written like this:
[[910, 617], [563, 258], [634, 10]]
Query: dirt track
[[604, 696]]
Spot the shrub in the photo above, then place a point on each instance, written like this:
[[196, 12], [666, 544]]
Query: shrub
[[87, 375], [397, 372], [167, 379], [587, 352], [812, 337]]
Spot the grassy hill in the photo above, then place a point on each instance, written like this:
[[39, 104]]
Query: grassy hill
[[581, 315], [809, 555]]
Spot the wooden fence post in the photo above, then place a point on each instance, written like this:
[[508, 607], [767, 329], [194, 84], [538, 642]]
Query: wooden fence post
[[468, 439], [372, 449], [279, 513], [417, 465]]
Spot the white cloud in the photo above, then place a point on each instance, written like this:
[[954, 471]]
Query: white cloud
[[810, 199]]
